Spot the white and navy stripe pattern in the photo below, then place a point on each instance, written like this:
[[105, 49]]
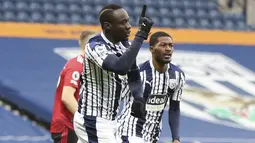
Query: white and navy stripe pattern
[[158, 87], [101, 89]]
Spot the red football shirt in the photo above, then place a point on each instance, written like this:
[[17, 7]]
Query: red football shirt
[[69, 76]]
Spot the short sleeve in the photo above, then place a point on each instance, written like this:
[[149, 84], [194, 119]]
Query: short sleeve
[[72, 78]]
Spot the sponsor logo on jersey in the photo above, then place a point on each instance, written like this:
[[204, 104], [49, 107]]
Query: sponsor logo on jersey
[[156, 99], [156, 102]]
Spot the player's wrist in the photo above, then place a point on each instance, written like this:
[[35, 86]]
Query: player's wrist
[[176, 138], [142, 34]]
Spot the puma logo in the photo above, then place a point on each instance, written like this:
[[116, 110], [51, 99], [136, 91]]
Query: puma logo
[[148, 82]]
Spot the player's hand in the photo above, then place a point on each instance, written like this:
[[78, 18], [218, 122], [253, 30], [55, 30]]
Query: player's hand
[[145, 24], [176, 141], [138, 108]]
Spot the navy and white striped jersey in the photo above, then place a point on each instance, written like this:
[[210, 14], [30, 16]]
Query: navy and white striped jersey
[[100, 89], [157, 88]]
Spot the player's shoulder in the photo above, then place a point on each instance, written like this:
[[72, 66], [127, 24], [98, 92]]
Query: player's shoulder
[[174, 68], [77, 59], [96, 41], [75, 62], [144, 66]]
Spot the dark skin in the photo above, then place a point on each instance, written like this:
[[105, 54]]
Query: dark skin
[[162, 53], [118, 29]]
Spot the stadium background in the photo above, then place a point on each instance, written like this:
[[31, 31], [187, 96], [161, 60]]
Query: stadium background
[[215, 47]]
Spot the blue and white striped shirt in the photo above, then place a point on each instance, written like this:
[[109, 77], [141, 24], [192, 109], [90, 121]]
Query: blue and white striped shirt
[[157, 88], [101, 89]]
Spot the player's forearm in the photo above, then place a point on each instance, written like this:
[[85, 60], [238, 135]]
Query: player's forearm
[[134, 81], [122, 64], [68, 99], [71, 105], [174, 118]]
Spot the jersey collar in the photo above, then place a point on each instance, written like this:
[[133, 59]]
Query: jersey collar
[[82, 56], [109, 42], [152, 67]]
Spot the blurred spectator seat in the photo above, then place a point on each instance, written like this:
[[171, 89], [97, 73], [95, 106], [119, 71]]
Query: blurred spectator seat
[[192, 23], [87, 9], [22, 6], [76, 19], [90, 19], [180, 23], [63, 18], [217, 24], [48, 7], [8, 5], [50, 17], [36, 17], [35, 6], [23, 16], [9, 16], [60, 7], [204, 23], [74, 8], [190, 13]]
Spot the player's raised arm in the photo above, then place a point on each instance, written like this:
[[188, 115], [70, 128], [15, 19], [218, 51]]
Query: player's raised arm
[[122, 64], [134, 81], [174, 109]]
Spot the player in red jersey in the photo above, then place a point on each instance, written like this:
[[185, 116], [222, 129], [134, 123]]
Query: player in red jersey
[[67, 94]]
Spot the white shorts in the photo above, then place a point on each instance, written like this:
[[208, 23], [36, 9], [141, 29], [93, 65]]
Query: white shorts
[[94, 129], [130, 139]]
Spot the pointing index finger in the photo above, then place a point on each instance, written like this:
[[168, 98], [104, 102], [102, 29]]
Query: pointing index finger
[[144, 10]]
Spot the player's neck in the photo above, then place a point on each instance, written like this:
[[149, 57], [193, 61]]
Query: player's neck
[[160, 67], [109, 37], [82, 50]]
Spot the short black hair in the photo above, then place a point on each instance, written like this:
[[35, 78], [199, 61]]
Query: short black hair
[[105, 14], [154, 37]]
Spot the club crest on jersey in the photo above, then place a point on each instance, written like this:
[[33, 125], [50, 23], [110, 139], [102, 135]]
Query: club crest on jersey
[[156, 102], [172, 83], [101, 50]]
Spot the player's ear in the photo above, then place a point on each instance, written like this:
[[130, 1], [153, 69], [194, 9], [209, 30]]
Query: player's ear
[[107, 25], [151, 49]]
